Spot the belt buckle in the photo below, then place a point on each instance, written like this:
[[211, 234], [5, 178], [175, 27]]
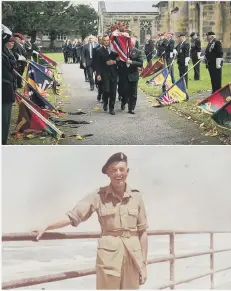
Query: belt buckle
[[126, 234]]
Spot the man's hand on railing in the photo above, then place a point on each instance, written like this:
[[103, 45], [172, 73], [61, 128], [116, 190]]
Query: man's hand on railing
[[39, 232]]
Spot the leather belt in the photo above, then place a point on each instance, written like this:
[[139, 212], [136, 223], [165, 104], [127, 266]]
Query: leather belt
[[120, 233]]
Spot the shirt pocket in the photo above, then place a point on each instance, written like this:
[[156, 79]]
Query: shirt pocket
[[132, 217], [107, 218]]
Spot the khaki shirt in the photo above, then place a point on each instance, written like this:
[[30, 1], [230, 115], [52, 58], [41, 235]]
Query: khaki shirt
[[114, 215]]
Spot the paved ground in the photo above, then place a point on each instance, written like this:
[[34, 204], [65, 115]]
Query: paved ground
[[150, 126]]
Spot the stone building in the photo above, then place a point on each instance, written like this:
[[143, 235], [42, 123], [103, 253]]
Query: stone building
[[178, 16]]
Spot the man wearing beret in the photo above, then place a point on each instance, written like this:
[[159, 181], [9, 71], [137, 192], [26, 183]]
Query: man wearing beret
[[195, 54], [182, 51], [169, 52], [162, 45], [214, 60], [20, 54], [122, 247]]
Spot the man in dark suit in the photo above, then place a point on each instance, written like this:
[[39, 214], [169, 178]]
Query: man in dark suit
[[28, 47], [106, 72], [129, 77], [169, 52], [182, 51], [214, 60], [94, 66], [87, 57], [20, 55], [136, 42], [149, 47], [195, 54]]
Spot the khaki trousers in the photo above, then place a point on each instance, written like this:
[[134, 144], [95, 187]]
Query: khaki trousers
[[129, 277]]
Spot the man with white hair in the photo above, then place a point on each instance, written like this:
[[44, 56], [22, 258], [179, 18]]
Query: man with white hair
[[87, 58], [129, 76], [214, 60]]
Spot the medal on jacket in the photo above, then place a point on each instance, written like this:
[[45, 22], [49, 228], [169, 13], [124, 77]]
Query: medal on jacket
[[212, 47]]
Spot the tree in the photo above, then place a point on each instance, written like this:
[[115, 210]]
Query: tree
[[86, 20]]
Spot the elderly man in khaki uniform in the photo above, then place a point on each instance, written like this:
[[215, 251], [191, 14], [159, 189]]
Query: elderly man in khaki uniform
[[123, 245]]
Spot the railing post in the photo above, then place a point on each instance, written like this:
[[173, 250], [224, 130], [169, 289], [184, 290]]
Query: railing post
[[172, 262], [212, 259]]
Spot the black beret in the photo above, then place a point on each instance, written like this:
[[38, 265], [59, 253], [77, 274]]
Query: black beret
[[210, 33], [181, 34], [192, 34], [118, 157]]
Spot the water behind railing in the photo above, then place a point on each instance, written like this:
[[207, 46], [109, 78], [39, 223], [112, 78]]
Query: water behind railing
[[30, 259]]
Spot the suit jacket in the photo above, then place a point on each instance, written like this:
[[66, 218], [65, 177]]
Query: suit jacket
[[183, 52], [169, 48], [132, 72], [107, 72], [95, 57], [86, 58], [195, 48], [161, 47], [213, 51], [149, 47]]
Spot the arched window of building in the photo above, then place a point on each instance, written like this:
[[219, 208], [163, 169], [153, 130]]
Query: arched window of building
[[145, 28]]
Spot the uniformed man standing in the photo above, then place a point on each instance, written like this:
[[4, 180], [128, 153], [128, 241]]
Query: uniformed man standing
[[162, 45], [214, 60], [149, 47], [123, 245], [182, 51], [169, 53], [195, 54]]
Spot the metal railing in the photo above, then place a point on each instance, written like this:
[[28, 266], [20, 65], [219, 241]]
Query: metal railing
[[75, 274]]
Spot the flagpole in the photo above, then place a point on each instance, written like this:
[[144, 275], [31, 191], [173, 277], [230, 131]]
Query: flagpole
[[149, 54], [181, 77], [52, 79], [170, 67], [42, 117], [157, 73]]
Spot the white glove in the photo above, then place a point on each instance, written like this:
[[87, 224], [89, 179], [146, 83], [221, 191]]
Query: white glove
[[21, 58], [219, 63], [199, 55], [35, 52], [175, 52], [202, 57], [171, 55], [187, 61]]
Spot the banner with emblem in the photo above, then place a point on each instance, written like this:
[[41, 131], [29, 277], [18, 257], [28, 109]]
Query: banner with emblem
[[223, 116], [48, 60], [157, 66], [159, 78], [217, 100], [32, 118], [174, 93], [147, 68]]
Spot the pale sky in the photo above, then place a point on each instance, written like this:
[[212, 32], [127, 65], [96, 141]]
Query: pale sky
[[183, 187]]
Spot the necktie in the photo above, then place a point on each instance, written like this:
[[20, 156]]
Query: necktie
[[90, 51]]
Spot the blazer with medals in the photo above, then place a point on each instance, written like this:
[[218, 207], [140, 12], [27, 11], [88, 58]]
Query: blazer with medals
[[107, 72], [183, 50], [213, 51], [131, 72]]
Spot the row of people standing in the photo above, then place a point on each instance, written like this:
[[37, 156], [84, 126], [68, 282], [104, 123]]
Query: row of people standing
[[109, 73], [184, 51], [72, 51]]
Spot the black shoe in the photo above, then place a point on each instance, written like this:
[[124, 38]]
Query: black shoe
[[131, 112], [99, 98], [122, 106], [86, 80], [92, 88], [105, 108], [112, 112]]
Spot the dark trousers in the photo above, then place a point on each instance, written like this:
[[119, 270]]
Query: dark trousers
[[100, 89], [149, 57], [65, 57], [169, 61], [120, 87], [6, 117], [20, 70], [196, 69], [85, 73], [110, 93], [182, 70], [78, 60], [130, 94], [215, 76], [90, 75]]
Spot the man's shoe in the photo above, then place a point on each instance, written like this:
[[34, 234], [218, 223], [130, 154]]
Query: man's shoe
[[92, 88], [99, 98], [122, 107], [131, 112], [112, 112], [86, 80], [105, 108]]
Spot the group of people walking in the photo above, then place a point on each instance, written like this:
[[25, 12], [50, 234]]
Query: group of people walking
[[72, 51]]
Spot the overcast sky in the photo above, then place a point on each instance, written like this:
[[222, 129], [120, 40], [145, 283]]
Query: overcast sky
[[183, 187]]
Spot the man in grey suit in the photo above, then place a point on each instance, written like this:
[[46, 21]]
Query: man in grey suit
[[87, 57]]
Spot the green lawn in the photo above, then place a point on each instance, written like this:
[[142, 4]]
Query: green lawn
[[58, 57]]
